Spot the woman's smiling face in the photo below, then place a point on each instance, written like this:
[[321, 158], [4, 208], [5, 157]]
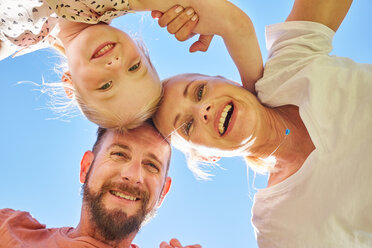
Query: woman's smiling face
[[208, 111]]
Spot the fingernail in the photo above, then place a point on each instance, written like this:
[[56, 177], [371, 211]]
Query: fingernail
[[194, 18], [178, 9], [156, 15], [189, 11]]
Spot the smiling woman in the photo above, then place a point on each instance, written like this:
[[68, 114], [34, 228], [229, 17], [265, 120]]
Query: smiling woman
[[297, 129]]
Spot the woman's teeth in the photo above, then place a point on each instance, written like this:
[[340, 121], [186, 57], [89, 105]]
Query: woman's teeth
[[121, 195], [224, 122], [103, 50]]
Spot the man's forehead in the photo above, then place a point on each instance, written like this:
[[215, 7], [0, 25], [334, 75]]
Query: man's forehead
[[144, 136]]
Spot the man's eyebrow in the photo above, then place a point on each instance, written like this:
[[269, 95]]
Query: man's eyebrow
[[122, 146], [154, 157]]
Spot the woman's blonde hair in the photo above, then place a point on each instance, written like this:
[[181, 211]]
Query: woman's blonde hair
[[197, 157]]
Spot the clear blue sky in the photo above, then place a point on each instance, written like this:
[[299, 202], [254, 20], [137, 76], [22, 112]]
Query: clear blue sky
[[40, 158]]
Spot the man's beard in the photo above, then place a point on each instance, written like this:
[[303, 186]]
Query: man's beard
[[115, 225]]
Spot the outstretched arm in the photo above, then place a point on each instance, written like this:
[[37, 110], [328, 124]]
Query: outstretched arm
[[223, 18], [331, 13]]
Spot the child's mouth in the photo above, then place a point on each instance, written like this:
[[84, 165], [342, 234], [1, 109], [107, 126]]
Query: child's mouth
[[103, 49]]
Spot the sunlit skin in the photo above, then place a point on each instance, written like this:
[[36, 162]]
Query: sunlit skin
[[193, 113], [202, 105], [120, 80], [138, 158]]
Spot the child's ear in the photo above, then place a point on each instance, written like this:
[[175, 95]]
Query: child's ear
[[56, 44], [66, 78]]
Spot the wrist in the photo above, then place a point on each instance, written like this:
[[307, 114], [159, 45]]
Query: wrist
[[236, 23]]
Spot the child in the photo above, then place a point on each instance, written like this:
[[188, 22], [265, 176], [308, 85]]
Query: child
[[110, 76]]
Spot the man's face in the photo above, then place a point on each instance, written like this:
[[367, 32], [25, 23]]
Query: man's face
[[126, 182]]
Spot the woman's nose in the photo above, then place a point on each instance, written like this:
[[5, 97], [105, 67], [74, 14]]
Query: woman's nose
[[205, 112]]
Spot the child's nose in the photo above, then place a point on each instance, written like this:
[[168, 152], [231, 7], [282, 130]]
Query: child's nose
[[114, 63]]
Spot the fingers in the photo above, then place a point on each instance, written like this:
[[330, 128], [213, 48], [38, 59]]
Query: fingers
[[175, 243], [182, 20], [164, 245], [169, 15], [202, 44], [179, 21], [185, 32], [156, 14]]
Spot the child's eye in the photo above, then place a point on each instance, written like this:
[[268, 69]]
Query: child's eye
[[106, 86], [135, 67], [199, 92], [187, 127]]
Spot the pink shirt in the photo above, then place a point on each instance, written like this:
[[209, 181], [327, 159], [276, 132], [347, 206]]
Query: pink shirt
[[19, 229]]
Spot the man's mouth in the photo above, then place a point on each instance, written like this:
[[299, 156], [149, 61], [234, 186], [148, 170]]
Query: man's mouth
[[103, 49], [124, 196], [225, 118]]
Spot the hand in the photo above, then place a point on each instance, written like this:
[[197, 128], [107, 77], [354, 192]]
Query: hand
[[174, 243], [181, 22]]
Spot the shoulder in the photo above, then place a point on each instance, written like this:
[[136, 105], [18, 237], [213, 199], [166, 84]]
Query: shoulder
[[17, 218], [91, 12]]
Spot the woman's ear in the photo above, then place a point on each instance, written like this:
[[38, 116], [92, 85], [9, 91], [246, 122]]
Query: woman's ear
[[66, 78]]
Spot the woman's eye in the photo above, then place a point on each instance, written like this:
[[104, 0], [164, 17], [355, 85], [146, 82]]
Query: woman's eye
[[106, 86], [199, 92], [187, 127], [135, 67]]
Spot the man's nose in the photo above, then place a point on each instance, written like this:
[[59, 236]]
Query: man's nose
[[132, 172], [204, 112]]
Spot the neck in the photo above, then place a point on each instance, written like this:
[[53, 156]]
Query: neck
[[289, 151], [69, 30], [87, 228]]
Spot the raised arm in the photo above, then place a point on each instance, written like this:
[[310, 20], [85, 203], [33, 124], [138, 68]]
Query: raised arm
[[223, 18], [241, 42], [331, 13]]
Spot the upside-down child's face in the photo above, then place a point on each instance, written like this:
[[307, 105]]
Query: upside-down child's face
[[111, 73]]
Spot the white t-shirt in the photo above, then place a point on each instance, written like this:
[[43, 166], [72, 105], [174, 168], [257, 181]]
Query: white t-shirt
[[328, 201]]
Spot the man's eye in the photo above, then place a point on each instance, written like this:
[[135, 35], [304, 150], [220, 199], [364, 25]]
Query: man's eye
[[199, 92], [135, 67], [120, 155], [187, 127], [152, 167], [106, 86]]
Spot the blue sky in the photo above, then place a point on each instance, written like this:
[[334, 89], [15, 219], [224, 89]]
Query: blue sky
[[40, 156]]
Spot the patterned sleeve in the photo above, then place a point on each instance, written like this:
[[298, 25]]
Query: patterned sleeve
[[90, 11]]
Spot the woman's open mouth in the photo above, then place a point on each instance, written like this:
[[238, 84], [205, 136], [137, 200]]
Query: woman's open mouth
[[103, 49], [225, 118]]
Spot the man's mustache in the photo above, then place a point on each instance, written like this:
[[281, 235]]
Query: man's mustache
[[135, 191]]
